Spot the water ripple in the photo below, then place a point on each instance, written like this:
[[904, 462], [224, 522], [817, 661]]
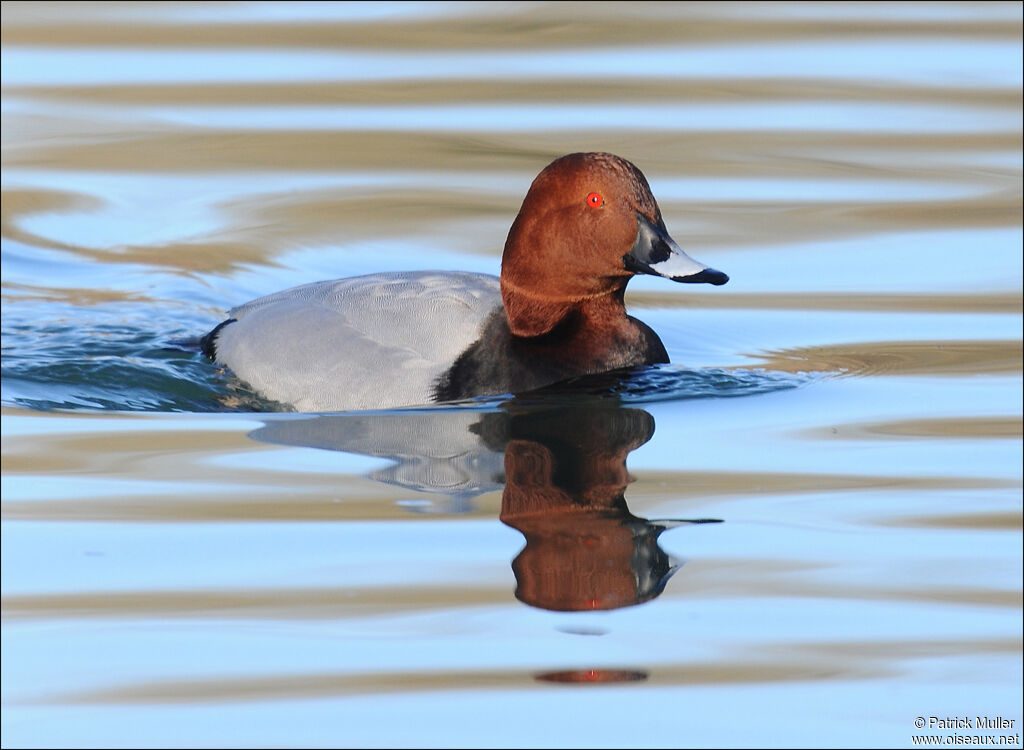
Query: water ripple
[[105, 364], [677, 383]]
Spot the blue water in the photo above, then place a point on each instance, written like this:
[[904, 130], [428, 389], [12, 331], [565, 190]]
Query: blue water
[[805, 531]]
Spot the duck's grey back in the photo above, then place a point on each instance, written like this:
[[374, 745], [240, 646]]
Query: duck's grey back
[[365, 342]]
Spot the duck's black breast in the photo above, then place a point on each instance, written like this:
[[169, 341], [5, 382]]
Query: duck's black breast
[[499, 362]]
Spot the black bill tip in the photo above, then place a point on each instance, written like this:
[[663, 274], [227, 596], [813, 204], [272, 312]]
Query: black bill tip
[[707, 276]]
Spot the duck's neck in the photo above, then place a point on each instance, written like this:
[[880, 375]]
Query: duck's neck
[[533, 312], [594, 334], [610, 337], [606, 311]]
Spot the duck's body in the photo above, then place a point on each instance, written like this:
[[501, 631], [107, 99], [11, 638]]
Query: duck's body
[[368, 351], [587, 225]]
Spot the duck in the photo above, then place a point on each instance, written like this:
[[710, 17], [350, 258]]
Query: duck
[[588, 224]]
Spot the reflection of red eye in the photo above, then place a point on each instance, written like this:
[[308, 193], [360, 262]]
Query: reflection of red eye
[[594, 200]]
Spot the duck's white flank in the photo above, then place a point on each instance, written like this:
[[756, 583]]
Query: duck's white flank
[[358, 343]]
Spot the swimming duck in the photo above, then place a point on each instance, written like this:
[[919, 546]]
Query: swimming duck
[[587, 225]]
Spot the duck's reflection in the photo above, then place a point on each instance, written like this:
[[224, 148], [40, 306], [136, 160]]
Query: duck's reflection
[[565, 479], [430, 451], [565, 483]]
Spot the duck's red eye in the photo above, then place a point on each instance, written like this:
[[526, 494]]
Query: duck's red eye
[[594, 200]]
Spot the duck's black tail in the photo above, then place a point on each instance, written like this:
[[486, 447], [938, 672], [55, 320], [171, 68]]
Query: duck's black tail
[[208, 343]]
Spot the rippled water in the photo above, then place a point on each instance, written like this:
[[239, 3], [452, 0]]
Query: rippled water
[[806, 531]]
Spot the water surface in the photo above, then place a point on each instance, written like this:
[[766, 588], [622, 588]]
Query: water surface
[[806, 531]]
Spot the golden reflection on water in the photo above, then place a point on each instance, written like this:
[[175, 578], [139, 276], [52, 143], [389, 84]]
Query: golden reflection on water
[[901, 358], [260, 604], [809, 664], [562, 25], [842, 301], [966, 427], [309, 686], [709, 578]]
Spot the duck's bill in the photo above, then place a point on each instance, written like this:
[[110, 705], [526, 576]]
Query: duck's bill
[[656, 253]]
